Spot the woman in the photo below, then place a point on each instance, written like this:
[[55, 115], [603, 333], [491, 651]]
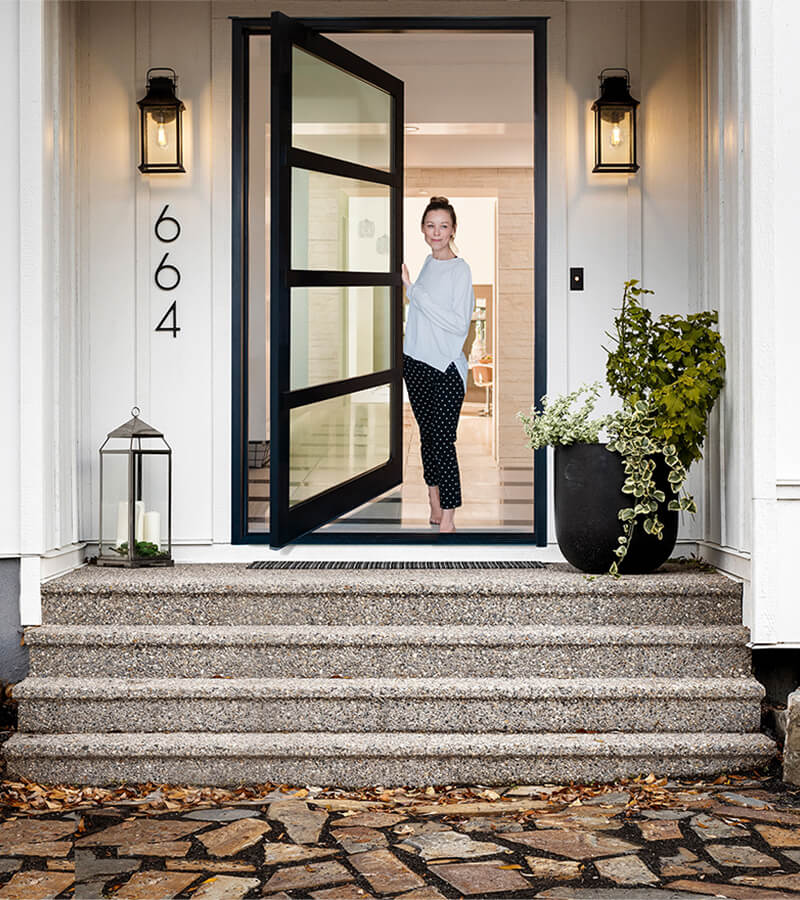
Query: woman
[[441, 302]]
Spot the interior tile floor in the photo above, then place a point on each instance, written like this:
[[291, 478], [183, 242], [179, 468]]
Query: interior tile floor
[[495, 498]]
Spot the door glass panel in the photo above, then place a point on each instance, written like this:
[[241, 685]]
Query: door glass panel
[[338, 114], [258, 285], [339, 224], [338, 332], [336, 439]]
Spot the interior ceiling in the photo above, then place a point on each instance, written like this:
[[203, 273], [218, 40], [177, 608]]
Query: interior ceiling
[[468, 95]]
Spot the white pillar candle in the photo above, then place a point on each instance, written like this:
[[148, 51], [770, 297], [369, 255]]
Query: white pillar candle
[[152, 528], [122, 522], [139, 520]]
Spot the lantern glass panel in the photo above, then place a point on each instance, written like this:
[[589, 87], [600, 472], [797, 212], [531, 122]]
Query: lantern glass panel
[[114, 524], [615, 146], [161, 141], [151, 488]]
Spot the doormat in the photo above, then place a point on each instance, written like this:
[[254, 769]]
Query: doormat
[[340, 564]]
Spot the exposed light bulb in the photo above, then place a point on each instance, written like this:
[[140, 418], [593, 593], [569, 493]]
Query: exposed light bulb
[[616, 136], [161, 136]]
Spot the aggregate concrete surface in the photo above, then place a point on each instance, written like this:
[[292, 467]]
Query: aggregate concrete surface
[[737, 837]]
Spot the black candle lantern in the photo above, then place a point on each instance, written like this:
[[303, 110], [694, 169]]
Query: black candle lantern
[[161, 133], [615, 124], [135, 497]]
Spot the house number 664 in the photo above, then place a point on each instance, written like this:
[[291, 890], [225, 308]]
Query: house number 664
[[167, 277]]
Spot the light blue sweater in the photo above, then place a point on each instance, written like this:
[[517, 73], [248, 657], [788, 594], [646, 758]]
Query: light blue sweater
[[441, 305]]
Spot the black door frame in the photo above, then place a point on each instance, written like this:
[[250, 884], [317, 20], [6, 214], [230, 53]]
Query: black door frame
[[242, 28]]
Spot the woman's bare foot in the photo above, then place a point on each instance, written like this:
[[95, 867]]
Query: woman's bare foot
[[436, 509], [447, 525]]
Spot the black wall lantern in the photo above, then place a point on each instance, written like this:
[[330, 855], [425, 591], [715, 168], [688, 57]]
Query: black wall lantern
[[615, 124], [161, 132]]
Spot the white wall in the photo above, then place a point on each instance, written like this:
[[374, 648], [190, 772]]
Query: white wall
[[9, 297], [126, 362]]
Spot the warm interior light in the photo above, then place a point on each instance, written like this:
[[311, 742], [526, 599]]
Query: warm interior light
[[616, 136], [161, 137]]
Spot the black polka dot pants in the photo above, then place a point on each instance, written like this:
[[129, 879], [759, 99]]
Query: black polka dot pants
[[436, 399]]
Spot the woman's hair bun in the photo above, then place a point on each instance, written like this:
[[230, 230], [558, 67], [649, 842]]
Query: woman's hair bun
[[439, 200]]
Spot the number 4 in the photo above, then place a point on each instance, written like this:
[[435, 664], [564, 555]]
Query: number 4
[[164, 326]]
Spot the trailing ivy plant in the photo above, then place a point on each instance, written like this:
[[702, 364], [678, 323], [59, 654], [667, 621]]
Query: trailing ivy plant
[[632, 433], [557, 423], [675, 364]]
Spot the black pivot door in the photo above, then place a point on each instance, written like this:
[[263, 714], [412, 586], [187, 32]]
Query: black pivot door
[[336, 251]]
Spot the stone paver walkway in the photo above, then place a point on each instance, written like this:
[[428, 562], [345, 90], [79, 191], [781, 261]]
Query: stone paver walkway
[[639, 840]]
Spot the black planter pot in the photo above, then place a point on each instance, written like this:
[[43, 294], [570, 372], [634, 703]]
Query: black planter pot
[[588, 496]]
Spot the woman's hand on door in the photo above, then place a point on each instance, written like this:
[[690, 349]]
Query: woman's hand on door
[[405, 276]]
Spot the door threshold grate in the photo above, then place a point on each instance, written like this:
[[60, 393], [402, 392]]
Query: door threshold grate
[[399, 564]]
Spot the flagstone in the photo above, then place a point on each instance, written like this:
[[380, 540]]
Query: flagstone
[[592, 817], [710, 828], [35, 885], [441, 844], [303, 825], [684, 862], [283, 853], [420, 827], [297, 878], [423, 893], [790, 882], [748, 800], [343, 892], [482, 808], [558, 869], [224, 887], [155, 885], [572, 843], [45, 848], [499, 825], [88, 866], [9, 865], [359, 839], [233, 838], [794, 855], [625, 870], [385, 872], [61, 865], [667, 814], [370, 819], [35, 830], [614, 798], [527, 790], [176, 849], [741, 855], [35, 837], [780, 817], [220, 815], [646, 893], [779, 837], [667, 830], [472, 879], [207, 865], [729, 891], [280, 896], [140, 831]]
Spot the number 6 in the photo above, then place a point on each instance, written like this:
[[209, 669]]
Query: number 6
[[163, 265], [159, 222]]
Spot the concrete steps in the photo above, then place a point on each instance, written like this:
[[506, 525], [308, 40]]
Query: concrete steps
[[356, 651], [222, 675], [364, 759], [479, 705]]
